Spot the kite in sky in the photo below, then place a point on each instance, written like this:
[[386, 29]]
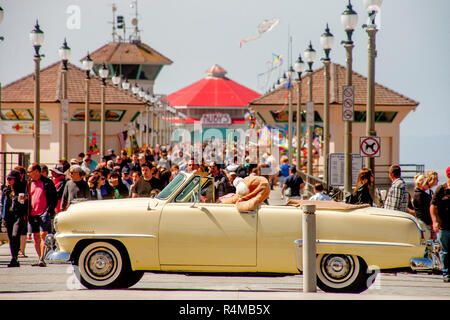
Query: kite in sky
[[272, 66], [263, 27]]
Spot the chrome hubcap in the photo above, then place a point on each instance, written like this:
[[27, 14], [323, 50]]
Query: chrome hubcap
[[337, 268], [101, 263]]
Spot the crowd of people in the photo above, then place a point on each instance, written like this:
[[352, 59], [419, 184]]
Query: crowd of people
[[32, 196]]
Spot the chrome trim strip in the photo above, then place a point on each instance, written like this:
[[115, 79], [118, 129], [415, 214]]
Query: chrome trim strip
[[103, 235], [366, 243]]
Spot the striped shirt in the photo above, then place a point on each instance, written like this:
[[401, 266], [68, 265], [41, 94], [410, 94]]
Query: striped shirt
[[397, 198]]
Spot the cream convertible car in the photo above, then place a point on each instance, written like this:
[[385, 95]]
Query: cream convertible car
[[112, 242]]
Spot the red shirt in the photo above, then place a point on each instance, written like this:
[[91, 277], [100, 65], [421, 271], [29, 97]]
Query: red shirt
[[38, 199]]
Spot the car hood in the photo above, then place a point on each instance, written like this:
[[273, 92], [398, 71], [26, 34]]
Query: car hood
[[115, 204]]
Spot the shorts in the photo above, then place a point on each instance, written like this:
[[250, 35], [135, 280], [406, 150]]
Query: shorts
[[42, 223]]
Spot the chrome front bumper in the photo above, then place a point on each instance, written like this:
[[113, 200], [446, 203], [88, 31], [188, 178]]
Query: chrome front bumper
[[52, 255]]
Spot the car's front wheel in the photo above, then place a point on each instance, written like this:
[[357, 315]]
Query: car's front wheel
[[102, 265], [343, 273]]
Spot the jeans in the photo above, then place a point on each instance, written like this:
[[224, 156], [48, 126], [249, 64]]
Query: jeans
[[444, 240]]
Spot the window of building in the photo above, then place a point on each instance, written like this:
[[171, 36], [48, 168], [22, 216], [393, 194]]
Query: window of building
[[380, 116], [283, 116], [112, 115], [22, 114]]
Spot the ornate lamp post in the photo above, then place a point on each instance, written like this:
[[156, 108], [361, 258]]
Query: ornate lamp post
[[288, 84], [88, 64], [64, 54], [310, 56], [104, 73], [1, 19], [327, 41], [141, 94], [1, 39], [37, 39], [116, 80], [126, 85], [372, 7], [299, 67], [349, 19]]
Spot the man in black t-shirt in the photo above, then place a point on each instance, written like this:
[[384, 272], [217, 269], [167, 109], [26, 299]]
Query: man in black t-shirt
[[440, 214], [294, 182], [143, 186]]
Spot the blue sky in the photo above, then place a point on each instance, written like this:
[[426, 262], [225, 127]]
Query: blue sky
[[412, 47]]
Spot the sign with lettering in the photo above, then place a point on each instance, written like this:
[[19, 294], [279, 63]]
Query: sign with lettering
[[336, 168], [215, 119]]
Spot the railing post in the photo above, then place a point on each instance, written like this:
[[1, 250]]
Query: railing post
[[309, 248]]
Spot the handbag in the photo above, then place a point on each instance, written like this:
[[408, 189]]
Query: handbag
[[287, 192]]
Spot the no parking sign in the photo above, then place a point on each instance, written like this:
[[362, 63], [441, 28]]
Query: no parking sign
[[369, 146], [348, 102]]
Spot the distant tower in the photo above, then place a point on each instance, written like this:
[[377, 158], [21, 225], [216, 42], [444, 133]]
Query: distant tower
[[133, 60]]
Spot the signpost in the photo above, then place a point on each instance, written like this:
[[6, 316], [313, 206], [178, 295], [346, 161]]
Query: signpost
[[369, 146], [348, 102]]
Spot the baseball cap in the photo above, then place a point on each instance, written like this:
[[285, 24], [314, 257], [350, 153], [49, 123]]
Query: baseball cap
[[126, 170], [59, 169], [447, 172]]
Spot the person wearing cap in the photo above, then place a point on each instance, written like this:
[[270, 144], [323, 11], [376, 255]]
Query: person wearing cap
[[440, 215], [65, 164], [88, 162], [13, 212], [59, 179], [111, 155], [76, 187], [126, 178]]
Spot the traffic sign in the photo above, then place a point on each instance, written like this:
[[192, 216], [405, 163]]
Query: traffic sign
[[348, 103], [369, 146]]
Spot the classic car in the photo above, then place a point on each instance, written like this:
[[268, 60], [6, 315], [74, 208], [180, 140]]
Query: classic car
[[112, 243]]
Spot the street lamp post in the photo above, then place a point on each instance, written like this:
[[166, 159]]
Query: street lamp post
[[299, 67], [372, 7], [64, 54], [1, 39], [141, 94], [88, 64], [349, 19], [37, 39], [103, 72], [288, 84], [327, 41], [1, 19], [310, 56]]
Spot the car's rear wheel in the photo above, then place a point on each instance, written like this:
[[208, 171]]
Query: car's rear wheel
[[102, 265], [343, 273]]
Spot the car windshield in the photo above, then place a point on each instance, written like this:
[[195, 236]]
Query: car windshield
[[172, 186]]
